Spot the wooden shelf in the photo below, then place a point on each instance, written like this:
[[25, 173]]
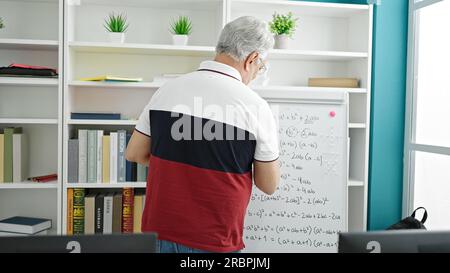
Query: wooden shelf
[[107, 185], [355, 183], [101, 122], [315, 55], [29, 185], [28, 44], [27, 121], [356, 125], [149, 49], [21, 81], [152, 49], [144, 85], [306, 88], [300, 8]]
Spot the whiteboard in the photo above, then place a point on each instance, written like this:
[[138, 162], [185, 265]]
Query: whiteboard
[[309, 207]]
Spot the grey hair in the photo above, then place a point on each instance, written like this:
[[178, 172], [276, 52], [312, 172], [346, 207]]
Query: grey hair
[[244, 35]]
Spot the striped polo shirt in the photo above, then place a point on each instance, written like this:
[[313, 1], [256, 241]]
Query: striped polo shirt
[[206, 130]]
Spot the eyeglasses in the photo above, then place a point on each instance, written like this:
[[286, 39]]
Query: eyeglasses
[[263, 69]]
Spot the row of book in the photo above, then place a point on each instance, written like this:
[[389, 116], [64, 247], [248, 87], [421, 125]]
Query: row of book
[[104, 213], [99, 158], [13, 155]]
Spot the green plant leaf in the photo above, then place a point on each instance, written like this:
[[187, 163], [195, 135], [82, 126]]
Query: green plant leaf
[[181, 26], [283, 24], [116, 23]]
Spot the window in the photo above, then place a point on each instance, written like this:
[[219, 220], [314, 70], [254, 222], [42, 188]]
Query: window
[[427, 130]]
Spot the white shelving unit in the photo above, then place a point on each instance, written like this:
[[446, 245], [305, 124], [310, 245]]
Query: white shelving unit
[[35, 104], [332, 40]]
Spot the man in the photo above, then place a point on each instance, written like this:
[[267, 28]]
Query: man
[[200, 135]]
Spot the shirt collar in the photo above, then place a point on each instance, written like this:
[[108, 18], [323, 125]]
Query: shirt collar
[[220, 68]]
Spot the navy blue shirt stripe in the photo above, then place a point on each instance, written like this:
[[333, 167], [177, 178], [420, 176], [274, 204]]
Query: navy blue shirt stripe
[[232, 155]]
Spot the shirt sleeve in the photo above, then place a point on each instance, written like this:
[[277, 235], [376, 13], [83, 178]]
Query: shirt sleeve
[[143, 124], [267, 136]]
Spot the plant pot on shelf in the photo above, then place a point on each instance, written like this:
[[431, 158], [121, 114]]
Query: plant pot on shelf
[[117, 37], [281, 41], [180, 39]]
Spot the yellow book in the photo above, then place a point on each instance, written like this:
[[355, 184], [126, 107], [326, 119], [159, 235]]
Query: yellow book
[[69, 211], [111, 78], [334, 82], [2, 143], [137, 213], [106, 155]]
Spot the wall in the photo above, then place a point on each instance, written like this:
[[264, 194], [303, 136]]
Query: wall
[[387, 111]]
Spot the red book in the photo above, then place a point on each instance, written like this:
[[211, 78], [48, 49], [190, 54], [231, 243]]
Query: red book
[[127, 210]]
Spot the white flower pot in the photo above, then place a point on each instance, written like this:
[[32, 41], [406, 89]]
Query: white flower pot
[[117, 37], [180, 39], [281, 41]]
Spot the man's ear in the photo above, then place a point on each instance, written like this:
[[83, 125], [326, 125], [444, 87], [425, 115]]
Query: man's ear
[[250, 59]]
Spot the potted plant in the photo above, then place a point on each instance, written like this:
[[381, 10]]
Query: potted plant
[[181, 28], [283, 27], [116, 25], [2, 25]]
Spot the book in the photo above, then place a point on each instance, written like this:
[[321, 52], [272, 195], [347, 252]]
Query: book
[[92, 156], [108, 213], [99, 207], [137, 213], [2, 155], [128, 164], [121, 164], [99, 168], [111, 79], [89, 214], [8, 153], [133, 171], [117, 213], [44, 178], [69, 212], [127, 210], [95, 115], [20, 158], [27, 225], [113, 158], [142, 172], [14, 234], [72, 173], [82, 156], [78, 211], [106, 159], [333, 82]]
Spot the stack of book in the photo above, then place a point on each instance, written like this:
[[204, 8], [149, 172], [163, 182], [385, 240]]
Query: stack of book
[[24, 226], [108, 78], [99, 158], [104, 213], [13, 155], [24, 70], [333, 82]]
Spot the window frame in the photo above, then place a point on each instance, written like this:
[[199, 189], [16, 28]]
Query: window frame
[[410, 145]]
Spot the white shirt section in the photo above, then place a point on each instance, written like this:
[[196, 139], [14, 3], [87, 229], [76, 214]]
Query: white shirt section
[[216, 92]]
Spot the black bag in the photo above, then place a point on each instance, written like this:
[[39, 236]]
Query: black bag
[[411, 222]]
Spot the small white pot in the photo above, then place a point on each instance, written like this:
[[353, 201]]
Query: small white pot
[[180, 39], [281, 41], [117, 37]]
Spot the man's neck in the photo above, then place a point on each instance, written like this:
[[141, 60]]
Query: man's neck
[[225, 59]]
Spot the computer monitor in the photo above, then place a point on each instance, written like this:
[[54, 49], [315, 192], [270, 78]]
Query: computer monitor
[[113, 243], [395, 241]]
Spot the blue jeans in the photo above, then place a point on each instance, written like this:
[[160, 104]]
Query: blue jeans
[[170, 247]]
